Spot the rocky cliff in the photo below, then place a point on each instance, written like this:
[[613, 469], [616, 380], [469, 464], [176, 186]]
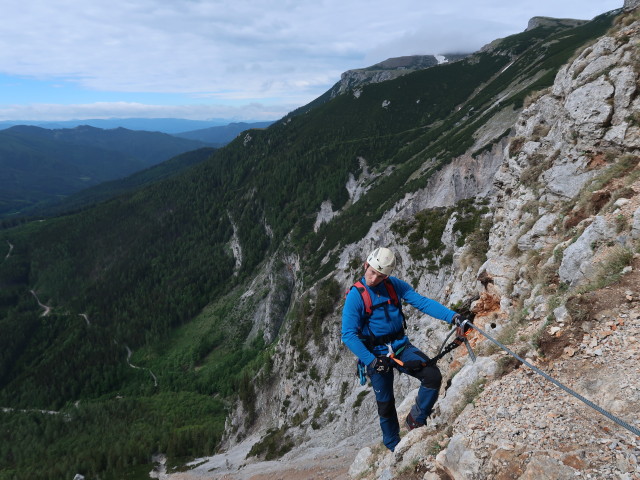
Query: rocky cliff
[[387, 70], [557, 281]]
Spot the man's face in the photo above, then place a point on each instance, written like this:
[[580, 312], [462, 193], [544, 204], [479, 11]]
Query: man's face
[[373, 277]]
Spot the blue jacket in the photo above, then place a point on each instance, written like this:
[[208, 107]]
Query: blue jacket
[[385, 319]]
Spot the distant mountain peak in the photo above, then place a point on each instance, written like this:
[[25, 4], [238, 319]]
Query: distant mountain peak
[[388, 70], [408, 61], [553, 22]]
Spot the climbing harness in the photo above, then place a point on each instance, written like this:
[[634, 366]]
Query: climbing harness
[[598, 409], [366, 297], [392, 355], [361, 370], [371, 340]]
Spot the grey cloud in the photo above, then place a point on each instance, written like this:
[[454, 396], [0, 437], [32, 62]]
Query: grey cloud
[[283, 52]]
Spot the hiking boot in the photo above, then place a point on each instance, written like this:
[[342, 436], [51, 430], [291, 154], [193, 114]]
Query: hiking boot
[[411, 423]]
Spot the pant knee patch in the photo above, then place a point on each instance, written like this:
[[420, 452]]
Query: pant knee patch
[[431, 377], [387, 409]]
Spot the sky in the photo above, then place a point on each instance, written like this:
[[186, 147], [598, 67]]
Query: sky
[[235, 59]]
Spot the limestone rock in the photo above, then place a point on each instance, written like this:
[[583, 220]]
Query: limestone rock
[[484, 367], [545, 468], [631, 4], [458, 460], [566, 179], [635, 229], [577, 258], [361, 464], [533, 239]]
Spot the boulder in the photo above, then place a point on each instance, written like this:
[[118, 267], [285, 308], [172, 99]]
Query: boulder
[[459, 460], [546, 468], [577, 259], [484, 367], [361, 464]]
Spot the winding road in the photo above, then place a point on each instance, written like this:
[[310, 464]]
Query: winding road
[[129, 353], [47, 309]]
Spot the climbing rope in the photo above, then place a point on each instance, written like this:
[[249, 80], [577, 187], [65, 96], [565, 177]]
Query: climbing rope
[[598, 409]]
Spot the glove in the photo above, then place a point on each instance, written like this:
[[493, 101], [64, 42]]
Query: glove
[[458, 320], [414, 365], [381, 364]]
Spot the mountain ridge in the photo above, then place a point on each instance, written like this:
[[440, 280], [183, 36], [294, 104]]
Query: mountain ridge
[[41, 165], [164, 125], [221, 135]]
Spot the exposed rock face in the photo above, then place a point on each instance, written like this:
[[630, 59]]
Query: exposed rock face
[[560, 145], [388, 70], [548, 21], [325, 215], [631, 4], [577, 260], [563, 136]]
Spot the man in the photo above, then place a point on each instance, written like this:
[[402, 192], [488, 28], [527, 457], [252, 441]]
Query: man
[[373, 328]]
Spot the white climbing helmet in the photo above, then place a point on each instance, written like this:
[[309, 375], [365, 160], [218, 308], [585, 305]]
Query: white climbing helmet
[[382, 260]]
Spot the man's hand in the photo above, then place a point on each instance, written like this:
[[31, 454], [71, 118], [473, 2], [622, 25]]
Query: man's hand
[[382, 364], [458, 321]]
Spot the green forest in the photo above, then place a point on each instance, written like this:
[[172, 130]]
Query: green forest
[[42, 166], [145, 349]]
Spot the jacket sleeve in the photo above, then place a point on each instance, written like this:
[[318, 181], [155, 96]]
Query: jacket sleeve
[[424, 304], [352, 319]]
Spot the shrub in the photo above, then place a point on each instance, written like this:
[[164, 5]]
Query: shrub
[[360, 398], [273, 445], [516, 145]]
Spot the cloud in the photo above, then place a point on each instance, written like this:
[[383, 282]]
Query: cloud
[[55, 112], [178, 47], [251, 51]]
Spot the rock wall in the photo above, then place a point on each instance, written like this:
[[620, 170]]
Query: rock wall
[[562, 142], [631, 4], [566, 200], [383, 71], [560, 210]]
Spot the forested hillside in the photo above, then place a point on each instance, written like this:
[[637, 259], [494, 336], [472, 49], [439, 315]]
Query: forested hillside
[[104, 191], [157, 326], [42, 166]]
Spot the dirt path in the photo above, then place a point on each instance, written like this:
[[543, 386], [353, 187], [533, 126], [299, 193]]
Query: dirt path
[[47, 309], [129, 353]]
